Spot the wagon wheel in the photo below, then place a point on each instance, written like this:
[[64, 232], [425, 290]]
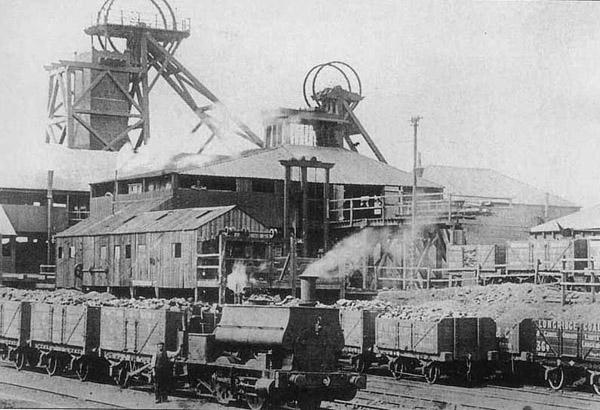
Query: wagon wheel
[[596, 385], [431, 373], [399, 368], [361, 364], [556, 378], [122, 377], [469, 376], [53, 366], [20, 360], [83, 370], [257, 402]]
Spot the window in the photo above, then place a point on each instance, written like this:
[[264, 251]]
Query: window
[[71, 251], [6, 247], [103, 253], [117, 253], [60, 252], [176, 249], [127, 251]]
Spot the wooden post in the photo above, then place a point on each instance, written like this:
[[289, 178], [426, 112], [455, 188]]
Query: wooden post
[[404, 277], [49, 217], [449, 279], [326, 211], [293, 265], [428, 277], [156, 291], [536, 272], [477, 274], [593, 279], [286, 200], [220, 271], [563, 284], [342, 275], [304, 184], [365, 271]]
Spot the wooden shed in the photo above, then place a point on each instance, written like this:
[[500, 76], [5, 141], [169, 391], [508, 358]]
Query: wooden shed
[[145, 249]]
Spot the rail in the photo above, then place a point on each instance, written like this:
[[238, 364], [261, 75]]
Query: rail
[[382, 208]]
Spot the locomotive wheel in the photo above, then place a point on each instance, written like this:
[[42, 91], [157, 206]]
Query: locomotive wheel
[[221, 391], [256, 402], [83, 370], [431, 373], [20, 360], [308, 403], [556, 378], [52, 367], [222, 394]]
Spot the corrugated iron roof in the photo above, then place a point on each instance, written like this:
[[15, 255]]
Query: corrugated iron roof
[[6, 228], [588, 219], [188, 219], [74, 169], [103, 226], [490, 183], [128, 222], [350, 167]]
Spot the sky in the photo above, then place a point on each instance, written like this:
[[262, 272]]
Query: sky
[[511, 86]]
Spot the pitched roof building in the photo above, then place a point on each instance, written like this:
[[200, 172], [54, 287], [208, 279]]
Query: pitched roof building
[[529, 206]]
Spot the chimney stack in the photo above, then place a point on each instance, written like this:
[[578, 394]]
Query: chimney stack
[[308, 290]]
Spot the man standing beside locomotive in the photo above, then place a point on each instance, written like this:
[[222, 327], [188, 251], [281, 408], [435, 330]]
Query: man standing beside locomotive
[[162, 369]]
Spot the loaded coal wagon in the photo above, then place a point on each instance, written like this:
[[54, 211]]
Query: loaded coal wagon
[[448, 347], [64, 337], [15, 327], [516, 347], [129, 336], [569, 351], [359, 337]]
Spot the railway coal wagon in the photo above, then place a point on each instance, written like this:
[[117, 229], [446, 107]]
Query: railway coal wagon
[[568, 351], [15, 327], [516, 348], [128, 339], [64, 337], [451, 346], [359, 337]]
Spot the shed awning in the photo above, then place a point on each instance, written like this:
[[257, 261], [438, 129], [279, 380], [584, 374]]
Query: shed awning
[[6, 228]]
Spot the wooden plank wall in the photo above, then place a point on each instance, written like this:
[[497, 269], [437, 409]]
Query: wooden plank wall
[[235, 218]]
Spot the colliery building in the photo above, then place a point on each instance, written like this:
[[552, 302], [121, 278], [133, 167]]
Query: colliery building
[[184, 226], [45, 193]]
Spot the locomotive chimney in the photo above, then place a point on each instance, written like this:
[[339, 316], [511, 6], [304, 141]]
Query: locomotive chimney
[[308, 290]]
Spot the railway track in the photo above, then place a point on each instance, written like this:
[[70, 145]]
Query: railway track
[[92, 402], [384, 394]]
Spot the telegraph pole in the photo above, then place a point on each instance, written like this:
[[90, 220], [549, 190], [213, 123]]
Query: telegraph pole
[[415, 123]]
